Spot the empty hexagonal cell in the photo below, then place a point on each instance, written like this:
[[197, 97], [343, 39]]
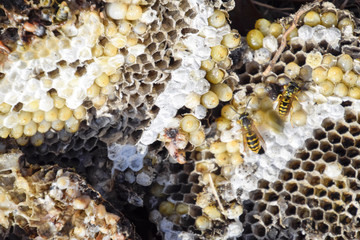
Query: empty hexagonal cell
[[291, 186], [341, 128], [298, 199], [270, 196], [334, 137], [325, 146], [251, 219], [306, 190], [195, 211], [339, 150], [312, 202], [308, 166], [323, 227], [331, 217], [352, 209], [339, 208], [320, 191], [350, 116], [325, 204], [328, 124], [303, 155], [316, 155], [266, 219], [290, 210], [287, 57], [252, 68], [336, 230], [344, 219], [256, 195], [329, 157], [299, 175], [317, 214], [278, 68], [259, 230], [294, 164], [285, 175], [260, 206], [285, 195], [333, 195], [354, 130], [277, 186], [320, 167], [293, 222], [274, 210], [340, 184], [346, 197], [312, 179], [352, 152], [263, 184], [349, 172], [345, 161], [319, 134], [311, 144], [303, 212]]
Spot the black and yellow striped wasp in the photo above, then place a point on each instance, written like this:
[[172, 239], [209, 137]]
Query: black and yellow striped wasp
[[286, 98], [251, 136]]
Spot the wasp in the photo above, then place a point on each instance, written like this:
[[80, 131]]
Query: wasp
[[286, 98], [250, 134]]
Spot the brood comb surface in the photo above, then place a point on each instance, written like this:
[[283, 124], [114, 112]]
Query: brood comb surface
[[52, 202], [316, 196]]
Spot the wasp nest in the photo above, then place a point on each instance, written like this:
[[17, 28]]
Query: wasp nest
[[316, 195], [51, 202]]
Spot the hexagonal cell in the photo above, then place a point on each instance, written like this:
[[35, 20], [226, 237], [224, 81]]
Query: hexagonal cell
[[293, 222], [320, 167], [352, 152], [312, 202], [333, 195], [258, 230], [329, 157], [308, 166], [290, 210], [277, 186], [346, 197], [325, 204], [319, 134], [291, 186], [336, 230], [298, 199], [311, 144], [338, 208], [303, 212], [266, 219], [287, 57], [285, 175], [328, 124], [252, 68], [345, 161], [350, 116], [263, 184], [323, 227], [274, 210], [331, 217], [260, 206], [352, 210], [339, 150], [316, 155], [354, 130], [349, 172], [334, 137], [303, 155], [320, 191], [256, 195], [299, 175], [325, 146], [244, 79], [293, 164], [347, 141], [278, 68], [312, 179], [341, 128], [271, 196], [306, 190], [300, 58], [344, 219]]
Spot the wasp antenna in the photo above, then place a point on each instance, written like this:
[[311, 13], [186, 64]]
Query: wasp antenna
[[234, 110], [247, 104]]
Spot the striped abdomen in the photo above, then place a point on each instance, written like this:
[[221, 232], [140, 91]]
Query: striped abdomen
[[284, 106], [252, 141]]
